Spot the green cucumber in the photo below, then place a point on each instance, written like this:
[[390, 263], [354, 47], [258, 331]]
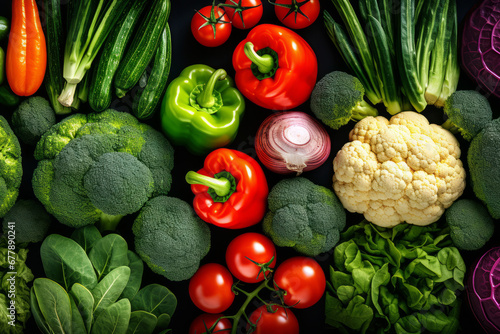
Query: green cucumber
[[4, 28], [143, 47], [54, 81], [102, 77], [7, 96], [146, 100]]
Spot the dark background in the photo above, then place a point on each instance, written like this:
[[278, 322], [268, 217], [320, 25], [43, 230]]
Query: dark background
[[186, 51]]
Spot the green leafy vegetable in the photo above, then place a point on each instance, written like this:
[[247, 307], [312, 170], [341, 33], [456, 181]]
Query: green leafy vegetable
[[101, 288], [402, 280]]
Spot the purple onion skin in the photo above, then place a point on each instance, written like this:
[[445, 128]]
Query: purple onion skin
[[292, 142], [481, 46], [483, 290]]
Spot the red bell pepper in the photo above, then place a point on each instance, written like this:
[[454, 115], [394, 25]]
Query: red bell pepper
[[230, 190], [275, 67]]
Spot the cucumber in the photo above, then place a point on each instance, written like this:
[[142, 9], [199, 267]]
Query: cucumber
[[54, 81], [146, 100], [102, 75], [143, 47]]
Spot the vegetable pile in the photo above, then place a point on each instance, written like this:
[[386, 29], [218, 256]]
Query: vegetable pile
[[116, 234]]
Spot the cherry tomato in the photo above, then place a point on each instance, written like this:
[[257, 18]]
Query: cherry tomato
[[210, 288], [303, 280], [296, 14], [211, 26], [244, 14], [204, 321], [246, 247], [281, 321]]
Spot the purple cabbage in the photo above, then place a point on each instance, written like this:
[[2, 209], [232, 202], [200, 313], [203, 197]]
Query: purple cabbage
[[481, 46], [484, 290]]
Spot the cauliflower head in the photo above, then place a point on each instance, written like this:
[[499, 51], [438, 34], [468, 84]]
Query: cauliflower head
[[399, 170]]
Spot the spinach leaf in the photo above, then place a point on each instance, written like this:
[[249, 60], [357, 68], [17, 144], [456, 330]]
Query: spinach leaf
[[155, 299], [65, 262], [86, 237], [77, 324], [84, 301], [37, 314], [134, 282], [107, 291], [141, 322], [113, 319], [109, 253], [54, 305], [163, 321]]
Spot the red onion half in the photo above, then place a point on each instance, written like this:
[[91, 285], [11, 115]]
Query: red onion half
[[292, 141]]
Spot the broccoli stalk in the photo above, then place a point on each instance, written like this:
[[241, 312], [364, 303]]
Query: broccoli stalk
[[109, 222], [338, 99]]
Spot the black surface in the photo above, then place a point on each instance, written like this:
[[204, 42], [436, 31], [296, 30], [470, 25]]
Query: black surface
[[186, 51]]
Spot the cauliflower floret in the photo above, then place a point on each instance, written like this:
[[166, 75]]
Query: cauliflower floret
[[367, 128], [402, 170]]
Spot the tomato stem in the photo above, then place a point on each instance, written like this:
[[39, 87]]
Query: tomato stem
[[250, 296]]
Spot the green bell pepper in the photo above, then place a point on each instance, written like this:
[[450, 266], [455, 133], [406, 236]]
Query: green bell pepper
[[4, 28], [201, 109]]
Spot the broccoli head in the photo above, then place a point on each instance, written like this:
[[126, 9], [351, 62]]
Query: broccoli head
[[470, 224], [338, 98], [11, 170], [483, 158], [468, 112], [32, 118], [170, 238], [304, 216], [100, 167], [31, 221]]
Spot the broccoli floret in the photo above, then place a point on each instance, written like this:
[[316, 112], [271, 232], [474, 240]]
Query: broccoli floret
[[338, 98], [118, 184], [470, 224], [31, 221], [99, 168], [32, 118], [170, 238], [483, 158], [11, 170], [304, 216], [468, 112]]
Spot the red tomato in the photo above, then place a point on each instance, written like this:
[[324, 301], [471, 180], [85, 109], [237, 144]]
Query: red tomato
[[204, 321], [246, 247], [297, 14], [244, 14], [281, 321], [210, 26], [303, 280], [210, 288]]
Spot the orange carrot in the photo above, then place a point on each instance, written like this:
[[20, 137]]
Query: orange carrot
[[26, 51]]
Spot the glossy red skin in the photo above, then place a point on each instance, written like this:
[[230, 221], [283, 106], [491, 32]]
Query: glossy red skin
[[253, 246], [295, 77], [251, 16], [311, 9], [247, 205], [282, 321], [303, 280], [210, 288], [205, 35], [206, 320]]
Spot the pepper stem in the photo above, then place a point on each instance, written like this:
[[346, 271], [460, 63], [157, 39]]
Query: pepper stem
[[265, 63], [221, 186], [206, 98]]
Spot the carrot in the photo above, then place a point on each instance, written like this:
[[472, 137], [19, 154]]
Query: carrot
[[26, 50]]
